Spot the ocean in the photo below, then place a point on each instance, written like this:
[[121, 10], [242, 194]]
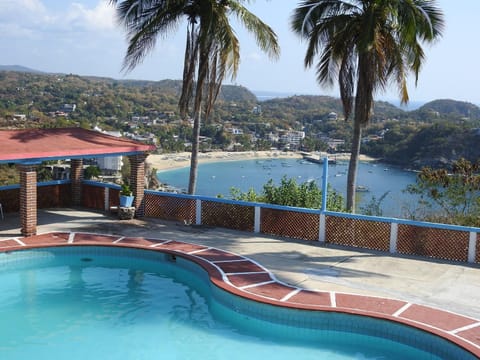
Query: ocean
[[378, 179]]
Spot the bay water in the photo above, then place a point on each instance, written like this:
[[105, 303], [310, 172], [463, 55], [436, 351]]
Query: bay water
[[375, 179]]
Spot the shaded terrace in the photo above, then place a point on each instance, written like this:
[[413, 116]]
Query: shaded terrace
[[29, 148]]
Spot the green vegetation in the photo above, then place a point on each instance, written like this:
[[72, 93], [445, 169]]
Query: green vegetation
[[451, 198], [374, 206], [290, 193], [91, 172], [9, 175], [125, 190]]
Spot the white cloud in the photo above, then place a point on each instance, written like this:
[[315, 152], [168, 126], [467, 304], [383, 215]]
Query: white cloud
[[101, 17], [18, 17], [29, 6]]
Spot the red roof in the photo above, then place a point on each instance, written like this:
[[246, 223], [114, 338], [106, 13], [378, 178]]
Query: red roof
[[44, 144]]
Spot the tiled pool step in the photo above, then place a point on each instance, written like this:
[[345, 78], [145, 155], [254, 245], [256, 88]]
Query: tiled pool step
[[244, 277]]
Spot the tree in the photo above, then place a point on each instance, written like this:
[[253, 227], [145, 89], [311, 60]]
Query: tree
[[453, 196], [365, 44], [290, 193], [92, 172], [212, 49]]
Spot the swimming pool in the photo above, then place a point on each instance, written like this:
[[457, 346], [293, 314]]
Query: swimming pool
[[79, 302]]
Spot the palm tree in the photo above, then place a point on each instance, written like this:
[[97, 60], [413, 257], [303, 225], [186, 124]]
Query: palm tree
[[365, 45], [212, 49]]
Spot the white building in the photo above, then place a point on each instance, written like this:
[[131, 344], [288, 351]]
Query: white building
[[110, 163]]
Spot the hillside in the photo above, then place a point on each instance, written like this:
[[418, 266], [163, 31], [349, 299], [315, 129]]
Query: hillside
[[40, 94], [447, 108], [435, 134], [19, 68], [62, 88]]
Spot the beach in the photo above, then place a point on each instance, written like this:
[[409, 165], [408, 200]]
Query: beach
[[182, 159], [179, 160]]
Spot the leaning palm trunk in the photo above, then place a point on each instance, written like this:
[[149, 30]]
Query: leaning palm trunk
[[197, 116], [362, 113], [192, 182], [353, 166]]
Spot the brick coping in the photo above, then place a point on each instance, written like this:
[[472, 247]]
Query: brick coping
[[248, 279]]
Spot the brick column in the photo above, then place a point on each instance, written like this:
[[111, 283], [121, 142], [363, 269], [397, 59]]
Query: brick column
[[76, 175], [28, 199], [137, 182]]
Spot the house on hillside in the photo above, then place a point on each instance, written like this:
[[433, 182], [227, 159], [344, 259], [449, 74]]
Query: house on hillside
[[68, 108]]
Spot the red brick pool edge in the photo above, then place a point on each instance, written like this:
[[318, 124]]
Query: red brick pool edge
[[246, 278]]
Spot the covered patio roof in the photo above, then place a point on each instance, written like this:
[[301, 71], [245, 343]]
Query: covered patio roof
[[28, 148], [35, 145]]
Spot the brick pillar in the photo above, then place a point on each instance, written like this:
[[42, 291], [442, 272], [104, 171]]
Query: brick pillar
[[137, 181], [76, 175], [28, 199]]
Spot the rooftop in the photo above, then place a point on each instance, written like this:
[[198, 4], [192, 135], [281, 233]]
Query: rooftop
[[63, 143]]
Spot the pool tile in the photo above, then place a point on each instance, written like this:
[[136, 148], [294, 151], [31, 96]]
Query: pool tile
[[307, 297], [81, 238], [472, 334], [139, 241], [180, 246], [5, 244], [367, 303], [272, 290], [437, 318], [46, 239], [243, 266], [218, 255], [240, 280]]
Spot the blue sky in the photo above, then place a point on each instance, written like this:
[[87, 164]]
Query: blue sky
[[81, 37]]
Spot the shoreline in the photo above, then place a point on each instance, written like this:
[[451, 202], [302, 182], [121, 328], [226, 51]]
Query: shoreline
[[172, 161], [163, 162]]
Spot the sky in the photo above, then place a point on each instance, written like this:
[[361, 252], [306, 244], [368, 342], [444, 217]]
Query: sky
[[82, 37]]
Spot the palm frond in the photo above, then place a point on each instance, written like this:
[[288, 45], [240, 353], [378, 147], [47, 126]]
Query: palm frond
[[264, 35]]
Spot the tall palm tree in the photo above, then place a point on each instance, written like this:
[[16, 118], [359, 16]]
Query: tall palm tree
[[365, 45], [212, 49]]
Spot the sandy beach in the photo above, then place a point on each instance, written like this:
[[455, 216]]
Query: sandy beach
[[179, 160]]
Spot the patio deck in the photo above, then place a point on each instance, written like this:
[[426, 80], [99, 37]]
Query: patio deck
[[410, 283]]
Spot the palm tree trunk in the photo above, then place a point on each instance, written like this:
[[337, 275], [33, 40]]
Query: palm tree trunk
[[192, 182], [363, 108], [197, 114], [353, 165]]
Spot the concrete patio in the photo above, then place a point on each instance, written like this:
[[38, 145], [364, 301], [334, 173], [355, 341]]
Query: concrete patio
[[446, 285]]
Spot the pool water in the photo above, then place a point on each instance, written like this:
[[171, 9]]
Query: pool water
[[106, 303]]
